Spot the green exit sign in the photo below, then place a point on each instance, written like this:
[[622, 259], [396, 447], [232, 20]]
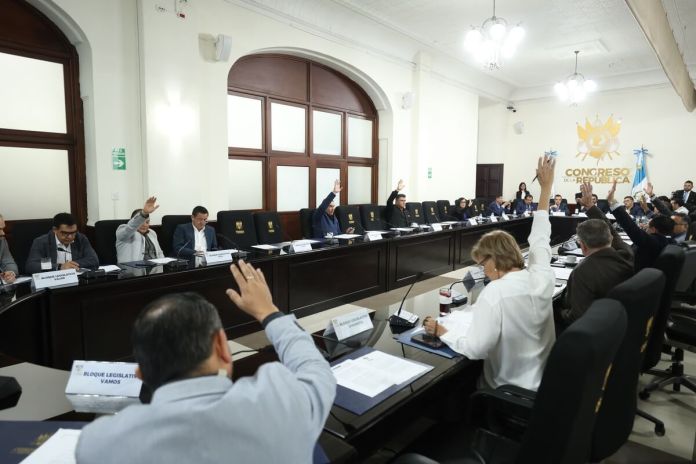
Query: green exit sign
[[118, 159], [430, 173]]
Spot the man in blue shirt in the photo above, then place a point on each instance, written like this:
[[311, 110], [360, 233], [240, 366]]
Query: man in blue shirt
[[631, 207], [526, 206], [324, 221]]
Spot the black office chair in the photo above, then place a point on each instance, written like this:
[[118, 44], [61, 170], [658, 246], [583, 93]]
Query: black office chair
[[236, 229], [480, 205], [640, 296], [416, 210], [431, 212], [23, 235], [169, 223], [603, 205], [349, 216], [268, 229], [23, 329], [371, 217], [443, 210], [105, 239], [306, 215], [685, 289], [561, 415], [691, 231]]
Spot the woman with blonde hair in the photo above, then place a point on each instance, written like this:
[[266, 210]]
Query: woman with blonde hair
[[512, 327]]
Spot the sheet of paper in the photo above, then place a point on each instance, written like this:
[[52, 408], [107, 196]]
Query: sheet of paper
[[59, 449], [562, 272], [347, 236], [110, 268], [458, 320], [161, 260], [403, 229], [450, 222], [266, 247], [397, 370], [360, 378]]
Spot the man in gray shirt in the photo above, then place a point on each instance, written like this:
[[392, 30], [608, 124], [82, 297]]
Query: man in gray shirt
[[197, 413], [8, 267]]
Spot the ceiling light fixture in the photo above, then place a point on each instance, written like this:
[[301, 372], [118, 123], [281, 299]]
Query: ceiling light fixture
[[493, 42], [575, 88]]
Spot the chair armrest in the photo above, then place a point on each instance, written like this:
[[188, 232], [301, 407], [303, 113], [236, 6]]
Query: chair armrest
[[505, 411]]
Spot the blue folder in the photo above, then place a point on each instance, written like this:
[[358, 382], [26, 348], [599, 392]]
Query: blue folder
[[357, 403], [20, 438], [405, 338]]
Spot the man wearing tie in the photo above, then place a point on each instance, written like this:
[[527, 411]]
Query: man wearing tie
[[687, 196], [194, 238], [558, 205], [526, 207], [64, 246]]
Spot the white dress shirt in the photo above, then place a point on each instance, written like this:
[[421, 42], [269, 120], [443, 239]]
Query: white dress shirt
[[512, 328], [63, 257], [200, 243]]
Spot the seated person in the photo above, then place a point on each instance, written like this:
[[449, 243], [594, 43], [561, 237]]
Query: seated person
[[677, 205], [135, 241], [197, 414], [608, 262], [462, 209], [681, 227], [64, 245], [498, 207], [324, 221], [396, 213], [195, 238], [525, 207], [512, 328], [595, 202], [558, 205], [687, 196], [8, 267], [631, 207]]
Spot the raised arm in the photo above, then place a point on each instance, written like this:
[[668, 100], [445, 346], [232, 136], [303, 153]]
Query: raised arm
[[638, 236], [540, 236]]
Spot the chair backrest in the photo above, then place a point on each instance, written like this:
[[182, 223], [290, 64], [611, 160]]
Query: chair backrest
[[670, 261], [105, 239], [688, 274], [349, 216], [570, 393], [431, 212], [416, 210], [443, 210], [371, 217], [640, 296], [306, 215], [691, 231], [268, 229], [603, 205], [166, 235], [23, 235], [480, 205], [236, 227], [23, 329]]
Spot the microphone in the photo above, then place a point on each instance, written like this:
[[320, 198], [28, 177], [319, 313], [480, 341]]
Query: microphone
[[10, 391], [239, 253], [180, 262], [348, 343], [408, 320]]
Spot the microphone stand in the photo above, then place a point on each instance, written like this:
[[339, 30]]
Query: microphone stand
[[395, 320]]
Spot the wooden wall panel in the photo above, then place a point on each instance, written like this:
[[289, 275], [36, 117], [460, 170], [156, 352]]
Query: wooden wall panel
[[280, 75]]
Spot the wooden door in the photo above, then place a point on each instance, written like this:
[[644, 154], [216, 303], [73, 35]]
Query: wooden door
[[489, 181]]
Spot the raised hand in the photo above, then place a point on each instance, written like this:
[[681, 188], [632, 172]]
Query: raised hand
[[254, 297], [611, 192], [649, 189], [150, 206], [400, 186], [337, 187], [586, 198], [545, 171]]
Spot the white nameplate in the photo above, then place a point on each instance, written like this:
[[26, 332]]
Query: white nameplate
[[436, 227], [102, 387], [373, 235], [558, 213], [493, 218], [582, 215], [609, 216], [349, 324], [54, 278], [298, 246], [473, 222], [219, 256], [505, 217]]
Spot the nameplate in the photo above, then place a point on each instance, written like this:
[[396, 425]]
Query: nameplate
[[472, 221], [299, 246], [349, 324], [219, 256], [436, 227], [493, 218], [102, 387], [558, 213], [609, 216], [582, 215], [54, 278], [372, 235], [505, 217]]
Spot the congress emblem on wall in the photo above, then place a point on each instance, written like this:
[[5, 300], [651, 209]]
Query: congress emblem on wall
[[598, 140]]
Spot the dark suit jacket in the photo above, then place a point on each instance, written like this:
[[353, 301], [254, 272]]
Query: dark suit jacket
[[396, 216], [646, 247], [560, 209], [690, 202], [45, 246], [495, 208], [522, 207], [184, 242]]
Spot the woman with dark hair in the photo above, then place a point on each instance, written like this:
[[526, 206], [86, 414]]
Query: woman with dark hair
[[462, 209], [521, 191]]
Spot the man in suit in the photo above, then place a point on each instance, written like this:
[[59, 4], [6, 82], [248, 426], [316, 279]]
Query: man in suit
[[527, 206], [498, 206], [631, 207], [396, 213], [558, 205], [197, 414], [324, 221], [135, 241], [681, 227], [64, 245], [195, 238], [8, 267], [687, 196]]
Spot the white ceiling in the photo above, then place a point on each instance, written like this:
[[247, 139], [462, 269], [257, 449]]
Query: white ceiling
[[614, 50]]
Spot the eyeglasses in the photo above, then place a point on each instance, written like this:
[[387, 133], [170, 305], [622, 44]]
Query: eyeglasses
[[63, 233], [483, 262]]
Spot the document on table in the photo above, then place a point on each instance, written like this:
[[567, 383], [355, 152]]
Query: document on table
[[161, 260], [110, 268], [375, 372], [347, 236], [403, 229], [59, 449], [562, 273], [265, 247]]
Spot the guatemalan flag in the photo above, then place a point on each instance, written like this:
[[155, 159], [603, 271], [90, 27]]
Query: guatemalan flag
[[640, 181]]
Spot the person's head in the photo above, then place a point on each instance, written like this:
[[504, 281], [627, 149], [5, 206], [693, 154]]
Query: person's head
[[461, 202], [522, 187], [688, 185], [498, 253], [2, 227], [681, 223], [199, 217], [595, 199], [500, 199], [331, 209], [400, 201], [528, 199], [145, 226], [628, 202], [676, 203], [65, 228], [593, 235], [661, 225], [179, 336], [557, 200]]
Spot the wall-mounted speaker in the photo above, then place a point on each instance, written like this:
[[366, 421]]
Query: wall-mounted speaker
[[223, 47]]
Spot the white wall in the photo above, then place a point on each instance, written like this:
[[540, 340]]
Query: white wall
[[653, 117], [155, 91]]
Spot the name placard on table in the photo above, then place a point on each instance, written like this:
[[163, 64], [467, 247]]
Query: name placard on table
[[219, 256], [350, 324], [299, 246], [54, 278], [102, 387], [372, 235]]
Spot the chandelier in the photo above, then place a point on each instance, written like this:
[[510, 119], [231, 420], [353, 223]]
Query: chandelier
[[575, 88], [493, 41]]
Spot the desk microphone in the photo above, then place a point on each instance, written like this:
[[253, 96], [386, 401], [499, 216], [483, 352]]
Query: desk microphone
[[239, 253], [348, 343], [180, 261], [396, 319]]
